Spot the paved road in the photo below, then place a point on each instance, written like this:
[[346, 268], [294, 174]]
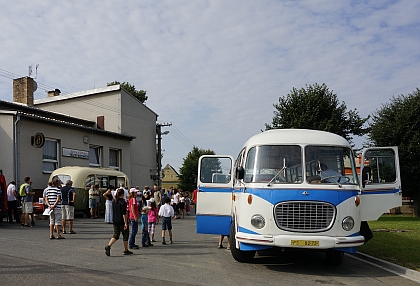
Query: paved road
[[193, 259]]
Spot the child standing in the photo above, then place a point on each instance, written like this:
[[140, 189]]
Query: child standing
[[152, 219], [166, 212], [145, 238]]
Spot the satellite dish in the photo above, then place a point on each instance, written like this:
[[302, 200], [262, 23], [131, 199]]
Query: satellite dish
[[35, 86]]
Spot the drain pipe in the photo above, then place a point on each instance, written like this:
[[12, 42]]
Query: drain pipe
[[16, 156]]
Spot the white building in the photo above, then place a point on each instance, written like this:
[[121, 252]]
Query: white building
[[104, 127]]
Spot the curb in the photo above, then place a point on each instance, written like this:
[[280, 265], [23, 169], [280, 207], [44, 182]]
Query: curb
[[391, 267]]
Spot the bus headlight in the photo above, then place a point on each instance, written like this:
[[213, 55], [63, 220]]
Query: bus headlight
[[258, 221], [348, 223]]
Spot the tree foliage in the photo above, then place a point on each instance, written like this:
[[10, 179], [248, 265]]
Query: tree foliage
[[398, 124], [131, 89], [316, 107], [189, 170]]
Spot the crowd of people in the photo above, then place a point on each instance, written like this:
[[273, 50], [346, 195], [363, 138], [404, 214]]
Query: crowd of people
[[125, 208], [58, 199]]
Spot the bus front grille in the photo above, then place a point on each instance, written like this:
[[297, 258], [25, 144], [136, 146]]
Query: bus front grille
[[304, 216]]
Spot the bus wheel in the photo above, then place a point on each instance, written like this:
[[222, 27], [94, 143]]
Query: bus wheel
[[239, 255], [334, 257]]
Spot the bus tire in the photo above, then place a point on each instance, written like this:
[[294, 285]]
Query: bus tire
[[334, 257], [239, 255]]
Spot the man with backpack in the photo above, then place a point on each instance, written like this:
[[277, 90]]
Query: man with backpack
[[27, 195]]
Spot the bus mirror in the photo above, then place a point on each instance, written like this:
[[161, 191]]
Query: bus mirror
[[365, 175], [240, 173]]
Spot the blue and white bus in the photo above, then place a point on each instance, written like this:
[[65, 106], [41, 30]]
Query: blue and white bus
[[294, 188]]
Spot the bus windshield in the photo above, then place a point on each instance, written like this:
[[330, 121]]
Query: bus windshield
[[274, 164], [330, 165]]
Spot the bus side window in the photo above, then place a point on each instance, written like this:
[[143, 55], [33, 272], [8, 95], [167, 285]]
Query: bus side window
[[90, 180]]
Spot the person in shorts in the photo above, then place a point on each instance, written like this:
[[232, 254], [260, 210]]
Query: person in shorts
[[166, 212], [68, 196], [53, 196], [92, 201], [27, 201]]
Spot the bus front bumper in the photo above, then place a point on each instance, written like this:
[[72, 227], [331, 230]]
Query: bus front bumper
[[301, 241]]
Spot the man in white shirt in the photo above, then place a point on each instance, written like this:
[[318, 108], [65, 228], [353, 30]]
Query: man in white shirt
[[166, 212], [122, 186]]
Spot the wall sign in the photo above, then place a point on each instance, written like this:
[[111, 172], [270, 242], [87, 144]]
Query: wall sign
[[39, 140], [67, 152]]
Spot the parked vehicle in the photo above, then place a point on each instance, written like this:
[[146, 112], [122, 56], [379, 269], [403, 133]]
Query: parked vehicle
[[295, 188], [84, 177]]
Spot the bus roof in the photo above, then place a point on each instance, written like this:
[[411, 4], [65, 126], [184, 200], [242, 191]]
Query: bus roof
[[296, 136], [78, 174]]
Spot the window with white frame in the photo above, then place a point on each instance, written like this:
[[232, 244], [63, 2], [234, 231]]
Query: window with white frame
[[50, 156], [95, 156], [115, 159]]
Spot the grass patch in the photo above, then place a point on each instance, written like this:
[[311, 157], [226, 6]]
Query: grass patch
[[395, 239]]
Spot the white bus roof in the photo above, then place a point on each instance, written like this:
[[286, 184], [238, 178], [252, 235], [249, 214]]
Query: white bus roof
[[296, 136]]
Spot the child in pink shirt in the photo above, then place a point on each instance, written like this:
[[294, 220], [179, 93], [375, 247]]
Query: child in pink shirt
[[152, 219]]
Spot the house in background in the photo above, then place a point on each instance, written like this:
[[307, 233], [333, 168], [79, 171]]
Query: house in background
[[104, 127], [171, 177]]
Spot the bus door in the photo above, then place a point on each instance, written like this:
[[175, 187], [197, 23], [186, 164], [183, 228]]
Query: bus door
[[214, 194], [381, 182]]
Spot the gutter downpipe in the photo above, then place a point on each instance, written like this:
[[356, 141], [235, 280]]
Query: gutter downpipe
[[16, 153]]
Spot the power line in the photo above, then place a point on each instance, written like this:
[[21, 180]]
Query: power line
[[3, 82], [8, 74], [177, 137], [183, 136], [40, 85]]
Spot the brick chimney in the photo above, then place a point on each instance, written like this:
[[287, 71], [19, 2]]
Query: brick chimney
[[23, 90], [100, 122]]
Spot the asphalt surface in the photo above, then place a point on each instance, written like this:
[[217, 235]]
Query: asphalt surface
[[29, 257]]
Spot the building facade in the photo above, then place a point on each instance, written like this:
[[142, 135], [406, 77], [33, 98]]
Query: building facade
[[170, 177], [105, 127]]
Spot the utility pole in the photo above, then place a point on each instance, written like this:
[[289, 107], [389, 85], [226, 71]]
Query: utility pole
[[159, 149]]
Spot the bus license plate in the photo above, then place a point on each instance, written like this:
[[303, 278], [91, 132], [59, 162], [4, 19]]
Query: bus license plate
[[304, 243]]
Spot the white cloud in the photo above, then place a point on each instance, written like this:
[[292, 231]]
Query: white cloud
[[215, 68]]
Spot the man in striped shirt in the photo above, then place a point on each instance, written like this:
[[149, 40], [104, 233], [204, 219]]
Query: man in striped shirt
[[53, 199]]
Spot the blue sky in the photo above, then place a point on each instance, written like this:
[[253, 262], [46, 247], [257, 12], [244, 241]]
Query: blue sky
[[215, 68]]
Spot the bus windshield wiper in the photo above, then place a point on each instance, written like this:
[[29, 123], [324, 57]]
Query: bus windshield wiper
[[278, 173]]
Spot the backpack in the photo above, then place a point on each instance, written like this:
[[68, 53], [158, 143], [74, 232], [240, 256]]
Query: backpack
[[22, 192]]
